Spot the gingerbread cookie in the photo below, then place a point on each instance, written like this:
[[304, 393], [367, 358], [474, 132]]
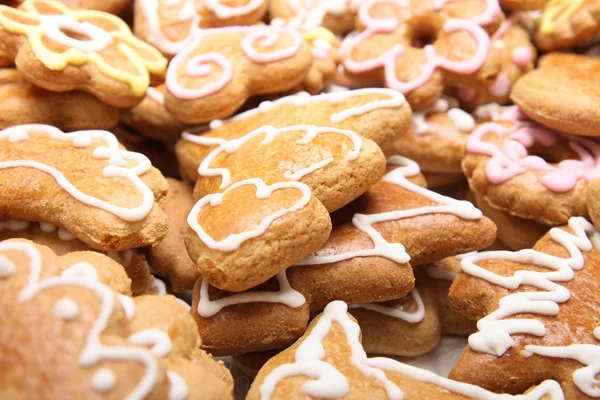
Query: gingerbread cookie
[[378, 114], [61, 242], [593, 194], [330, 362], [561, 93], [118, 346], [523, 5], [324, 46], [84, 182], [24, 103], [413, 325], [536, 310], [221, 68], [567, 23], [99, 55], [170, 258], [219, 13], [418, 48], [110, 6], [531, 171], [335, 15]]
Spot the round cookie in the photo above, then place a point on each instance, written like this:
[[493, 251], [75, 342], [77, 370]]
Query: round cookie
[[562, 93]]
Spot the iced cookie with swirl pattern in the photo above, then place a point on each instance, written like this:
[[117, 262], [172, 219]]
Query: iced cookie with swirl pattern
[[560, 93], [61, 242], [420, 47], [170, 258], [336, 15], [329, 361], [214, 74], [437, 137], [567, 23], [109, 6], [413, 325], [381, 115], [83, 181], [396, 222], [518, 56], [536, 311], [24, 103], [529, 170], [61, 49], [106, 342]]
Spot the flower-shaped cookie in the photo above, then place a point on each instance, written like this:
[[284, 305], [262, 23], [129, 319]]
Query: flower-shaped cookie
[[416, 46], [61, 49]]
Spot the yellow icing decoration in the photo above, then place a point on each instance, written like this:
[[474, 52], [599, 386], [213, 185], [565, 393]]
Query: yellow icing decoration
[[119, 35], [319, 33], [557, 11]]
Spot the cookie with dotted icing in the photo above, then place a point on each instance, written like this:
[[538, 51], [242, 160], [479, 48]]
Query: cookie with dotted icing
[[377, 114], [414, 324], [83, 181], [62, 242], [110, 6], [437, 137], [536, 313], [567, 23], [529, 170], [213, 75], [420, 47], [99, 56], [560, 93], [170, 258], [330, 362], [117, 346], [24, 103], [396, 222]]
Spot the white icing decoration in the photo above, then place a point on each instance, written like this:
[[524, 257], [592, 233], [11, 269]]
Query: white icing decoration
[[396, 311], [495, 330], [104, 380], [160, 287], [311, 14], [461, 120], [396, 99], [396, 251], [285, 295], [224, 11], [328, 382], [65, 235], [117, 166], [14, 225], [48, 227], [178, 389], [128, 305], [269, 133], [155, 95], [437, 272], [66, 309], [263, 191], [154, 33], [159, 340], [490, 111], [52, 25]]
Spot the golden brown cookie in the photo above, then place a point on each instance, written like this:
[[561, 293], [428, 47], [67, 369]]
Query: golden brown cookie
[[110, 6], [24, 103], [523, 5], [85, 182], [536, 312], [593, 195], [567, 23], [330, 362], [101, 56], [562, 94], [337, 15], [75, 309]]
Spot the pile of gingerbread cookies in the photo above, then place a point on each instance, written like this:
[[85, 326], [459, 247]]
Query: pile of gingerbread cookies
[[317, 189]]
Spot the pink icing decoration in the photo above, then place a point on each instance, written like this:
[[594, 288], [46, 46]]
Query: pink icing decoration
[[499, 34], [389, 59], [522, 56], [501, 86], [198, 66], [466, 94], [514, 158]]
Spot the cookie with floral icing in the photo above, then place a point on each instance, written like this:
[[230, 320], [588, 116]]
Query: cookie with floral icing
[[396, 222], [437, 137], [561, 93], [170, 258], [377, 114], [98, 53], [214, 74], [536, 312], [567, 23], [118, 346], [414, 324], [518, 57], [419, 47], [24, 103], [330, 362], [62, 242], [83, 181], [335, 15], [529, 170]]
